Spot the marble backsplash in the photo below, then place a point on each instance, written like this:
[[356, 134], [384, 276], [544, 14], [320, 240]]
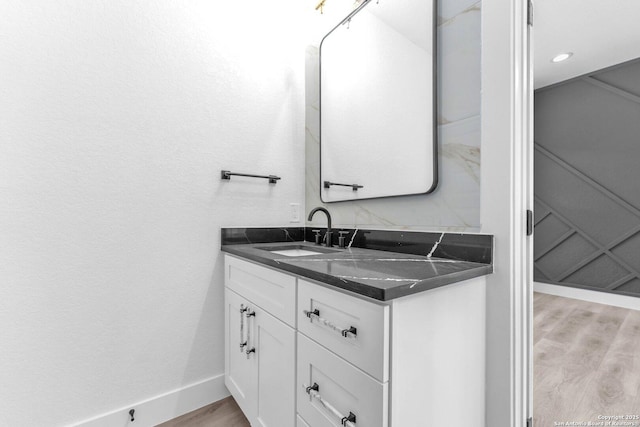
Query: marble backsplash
[[455, 204], [455, 246]]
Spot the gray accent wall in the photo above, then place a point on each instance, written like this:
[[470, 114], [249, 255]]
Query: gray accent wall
[[587, 181]]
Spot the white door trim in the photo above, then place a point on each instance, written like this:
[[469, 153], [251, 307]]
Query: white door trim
[[506, 194]]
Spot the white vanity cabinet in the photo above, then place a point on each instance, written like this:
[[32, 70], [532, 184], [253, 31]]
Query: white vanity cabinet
[[329, 358], [260, 347]]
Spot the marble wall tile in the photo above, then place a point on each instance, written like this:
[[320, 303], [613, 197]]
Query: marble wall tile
[[448, 9], [455, 204], [459, 66]]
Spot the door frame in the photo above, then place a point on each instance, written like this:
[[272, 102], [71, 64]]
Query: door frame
[[506, 195]]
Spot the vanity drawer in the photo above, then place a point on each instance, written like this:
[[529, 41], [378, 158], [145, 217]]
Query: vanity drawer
[[271, 290], [342, 389], [300, 422], [368, 348]]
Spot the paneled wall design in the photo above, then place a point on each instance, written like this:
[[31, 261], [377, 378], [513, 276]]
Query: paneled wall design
[[587, 200], [455, 204]]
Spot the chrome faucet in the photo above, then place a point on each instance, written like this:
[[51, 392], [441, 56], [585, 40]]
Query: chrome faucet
[[326, 212]]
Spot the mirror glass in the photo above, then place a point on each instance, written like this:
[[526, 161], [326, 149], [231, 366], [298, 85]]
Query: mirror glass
[[377, 102]]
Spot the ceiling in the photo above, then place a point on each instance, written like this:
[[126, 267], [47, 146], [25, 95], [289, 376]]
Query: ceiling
[[599, 33]]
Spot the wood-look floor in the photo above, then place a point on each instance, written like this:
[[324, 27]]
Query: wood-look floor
[[586, 361], [224, 413]]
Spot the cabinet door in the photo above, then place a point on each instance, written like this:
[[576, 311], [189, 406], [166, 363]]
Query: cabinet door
[[301, 422], [275, 353], [241, 372]]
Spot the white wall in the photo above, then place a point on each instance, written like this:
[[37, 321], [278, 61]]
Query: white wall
[[116, 118]]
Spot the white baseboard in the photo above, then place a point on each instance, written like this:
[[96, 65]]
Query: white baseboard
[[623, 301], [164, 407]]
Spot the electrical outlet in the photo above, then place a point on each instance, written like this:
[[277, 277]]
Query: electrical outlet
[[294, 212]]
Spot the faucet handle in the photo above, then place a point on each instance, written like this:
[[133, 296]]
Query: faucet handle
[[318, 239], [342, 239]]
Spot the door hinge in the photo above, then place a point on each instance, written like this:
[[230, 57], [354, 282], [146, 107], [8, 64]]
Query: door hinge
[[529, 422], [530, 13], [529, 222]]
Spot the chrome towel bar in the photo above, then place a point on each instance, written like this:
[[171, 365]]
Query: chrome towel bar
[[354, 187], [227, 175]]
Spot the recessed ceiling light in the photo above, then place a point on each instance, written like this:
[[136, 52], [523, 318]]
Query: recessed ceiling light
[[562, 57]]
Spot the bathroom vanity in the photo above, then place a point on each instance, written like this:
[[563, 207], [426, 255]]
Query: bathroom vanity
[[321, 336]]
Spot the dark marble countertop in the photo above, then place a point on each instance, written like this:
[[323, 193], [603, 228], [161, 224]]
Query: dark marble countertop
[[382, 275]]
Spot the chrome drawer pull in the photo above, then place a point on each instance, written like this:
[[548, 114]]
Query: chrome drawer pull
[[314, 387], [252, 349], [353, 331], [349, 418], [308, 313], [350, 332], [348, 421], [242, 343]]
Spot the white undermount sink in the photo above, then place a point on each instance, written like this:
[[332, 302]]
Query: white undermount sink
[[297, 250]]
